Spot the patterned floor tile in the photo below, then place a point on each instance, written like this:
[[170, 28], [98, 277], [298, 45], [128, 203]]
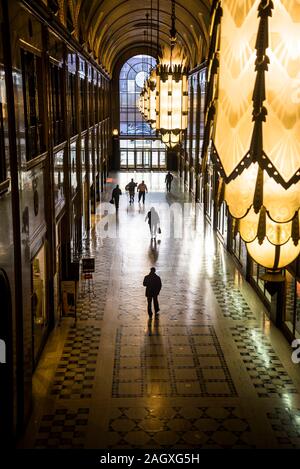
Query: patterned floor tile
[[171, 361], [285, 424], [231, 301], [65, 428], [180, 427], [265, 369], [75, 374]]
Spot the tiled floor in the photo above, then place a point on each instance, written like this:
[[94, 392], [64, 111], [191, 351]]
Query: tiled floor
[[212, 372]]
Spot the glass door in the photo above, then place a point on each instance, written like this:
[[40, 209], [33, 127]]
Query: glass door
[[146, 159], [139, 159], [154, 159], [162, 159], [130, 160]]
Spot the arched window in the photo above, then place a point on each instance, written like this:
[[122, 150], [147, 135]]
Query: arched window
[[139, 145], [132, 77]]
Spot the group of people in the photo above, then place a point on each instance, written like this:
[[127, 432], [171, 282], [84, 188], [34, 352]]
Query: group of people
[[141, 189], [152, 281]]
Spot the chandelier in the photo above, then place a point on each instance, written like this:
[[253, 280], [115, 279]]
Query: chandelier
[[172, 91], [171, 101], [253, 118], [164, 98], [151, 89]]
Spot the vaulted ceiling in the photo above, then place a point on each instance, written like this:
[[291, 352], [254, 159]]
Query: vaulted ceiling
[[109, 28]]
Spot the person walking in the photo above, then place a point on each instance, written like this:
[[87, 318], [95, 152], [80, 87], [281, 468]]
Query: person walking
[[116, 196], [153, 285], [131, 189], [153, 221], [142, 189], [168, 181]]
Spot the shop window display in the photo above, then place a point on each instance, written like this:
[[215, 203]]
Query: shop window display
[[39, 314], [292, 305]]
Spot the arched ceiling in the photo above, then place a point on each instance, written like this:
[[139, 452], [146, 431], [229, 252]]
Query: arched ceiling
[[109, 28]]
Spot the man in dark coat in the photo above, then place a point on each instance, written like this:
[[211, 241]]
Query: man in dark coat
[[152, 283], [116, 196], [131, 189], [168, 180]]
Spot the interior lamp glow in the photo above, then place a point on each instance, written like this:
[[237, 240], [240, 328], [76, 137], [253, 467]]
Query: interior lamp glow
[[146, 102], [253, 119], [171, 101], [152, 99], [164, 99]]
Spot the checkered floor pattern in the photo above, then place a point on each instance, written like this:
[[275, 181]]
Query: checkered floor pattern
[[75, 374], [64, 428], [266, 371]]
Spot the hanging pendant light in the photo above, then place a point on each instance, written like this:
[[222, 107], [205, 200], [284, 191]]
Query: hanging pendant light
[[256, 132], [151, 84], [151, 88], [172, 91]]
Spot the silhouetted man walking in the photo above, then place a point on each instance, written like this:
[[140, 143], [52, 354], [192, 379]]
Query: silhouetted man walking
[[168, 181], [131, 189], [142, 189], [152, 282], [116, 196]]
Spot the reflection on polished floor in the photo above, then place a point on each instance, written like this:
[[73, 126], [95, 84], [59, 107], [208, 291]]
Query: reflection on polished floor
[[212, 372]]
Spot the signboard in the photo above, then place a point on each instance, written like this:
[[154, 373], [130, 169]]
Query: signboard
[[88, 265], [68, 294], [2, 351]]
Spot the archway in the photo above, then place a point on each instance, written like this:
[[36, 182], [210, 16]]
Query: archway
[[6, 360]]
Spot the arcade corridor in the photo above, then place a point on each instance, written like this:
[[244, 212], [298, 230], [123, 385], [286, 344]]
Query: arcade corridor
[[211, 372], [92, 94]]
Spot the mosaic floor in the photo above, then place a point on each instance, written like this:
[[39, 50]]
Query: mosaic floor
[[211, 372]]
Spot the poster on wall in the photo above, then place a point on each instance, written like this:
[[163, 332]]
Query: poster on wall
[[68, 294]]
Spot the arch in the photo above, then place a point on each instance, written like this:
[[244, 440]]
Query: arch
[[6, 374]]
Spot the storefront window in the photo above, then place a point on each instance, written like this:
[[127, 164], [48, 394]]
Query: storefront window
[[209, 192], [257, 272], [3, 128], [33, 103], [83, 168], [297, 307], [222, 220], [292, 305], [290, 301], [59, 177], [238, 247], [73, 173], [39, 312]]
